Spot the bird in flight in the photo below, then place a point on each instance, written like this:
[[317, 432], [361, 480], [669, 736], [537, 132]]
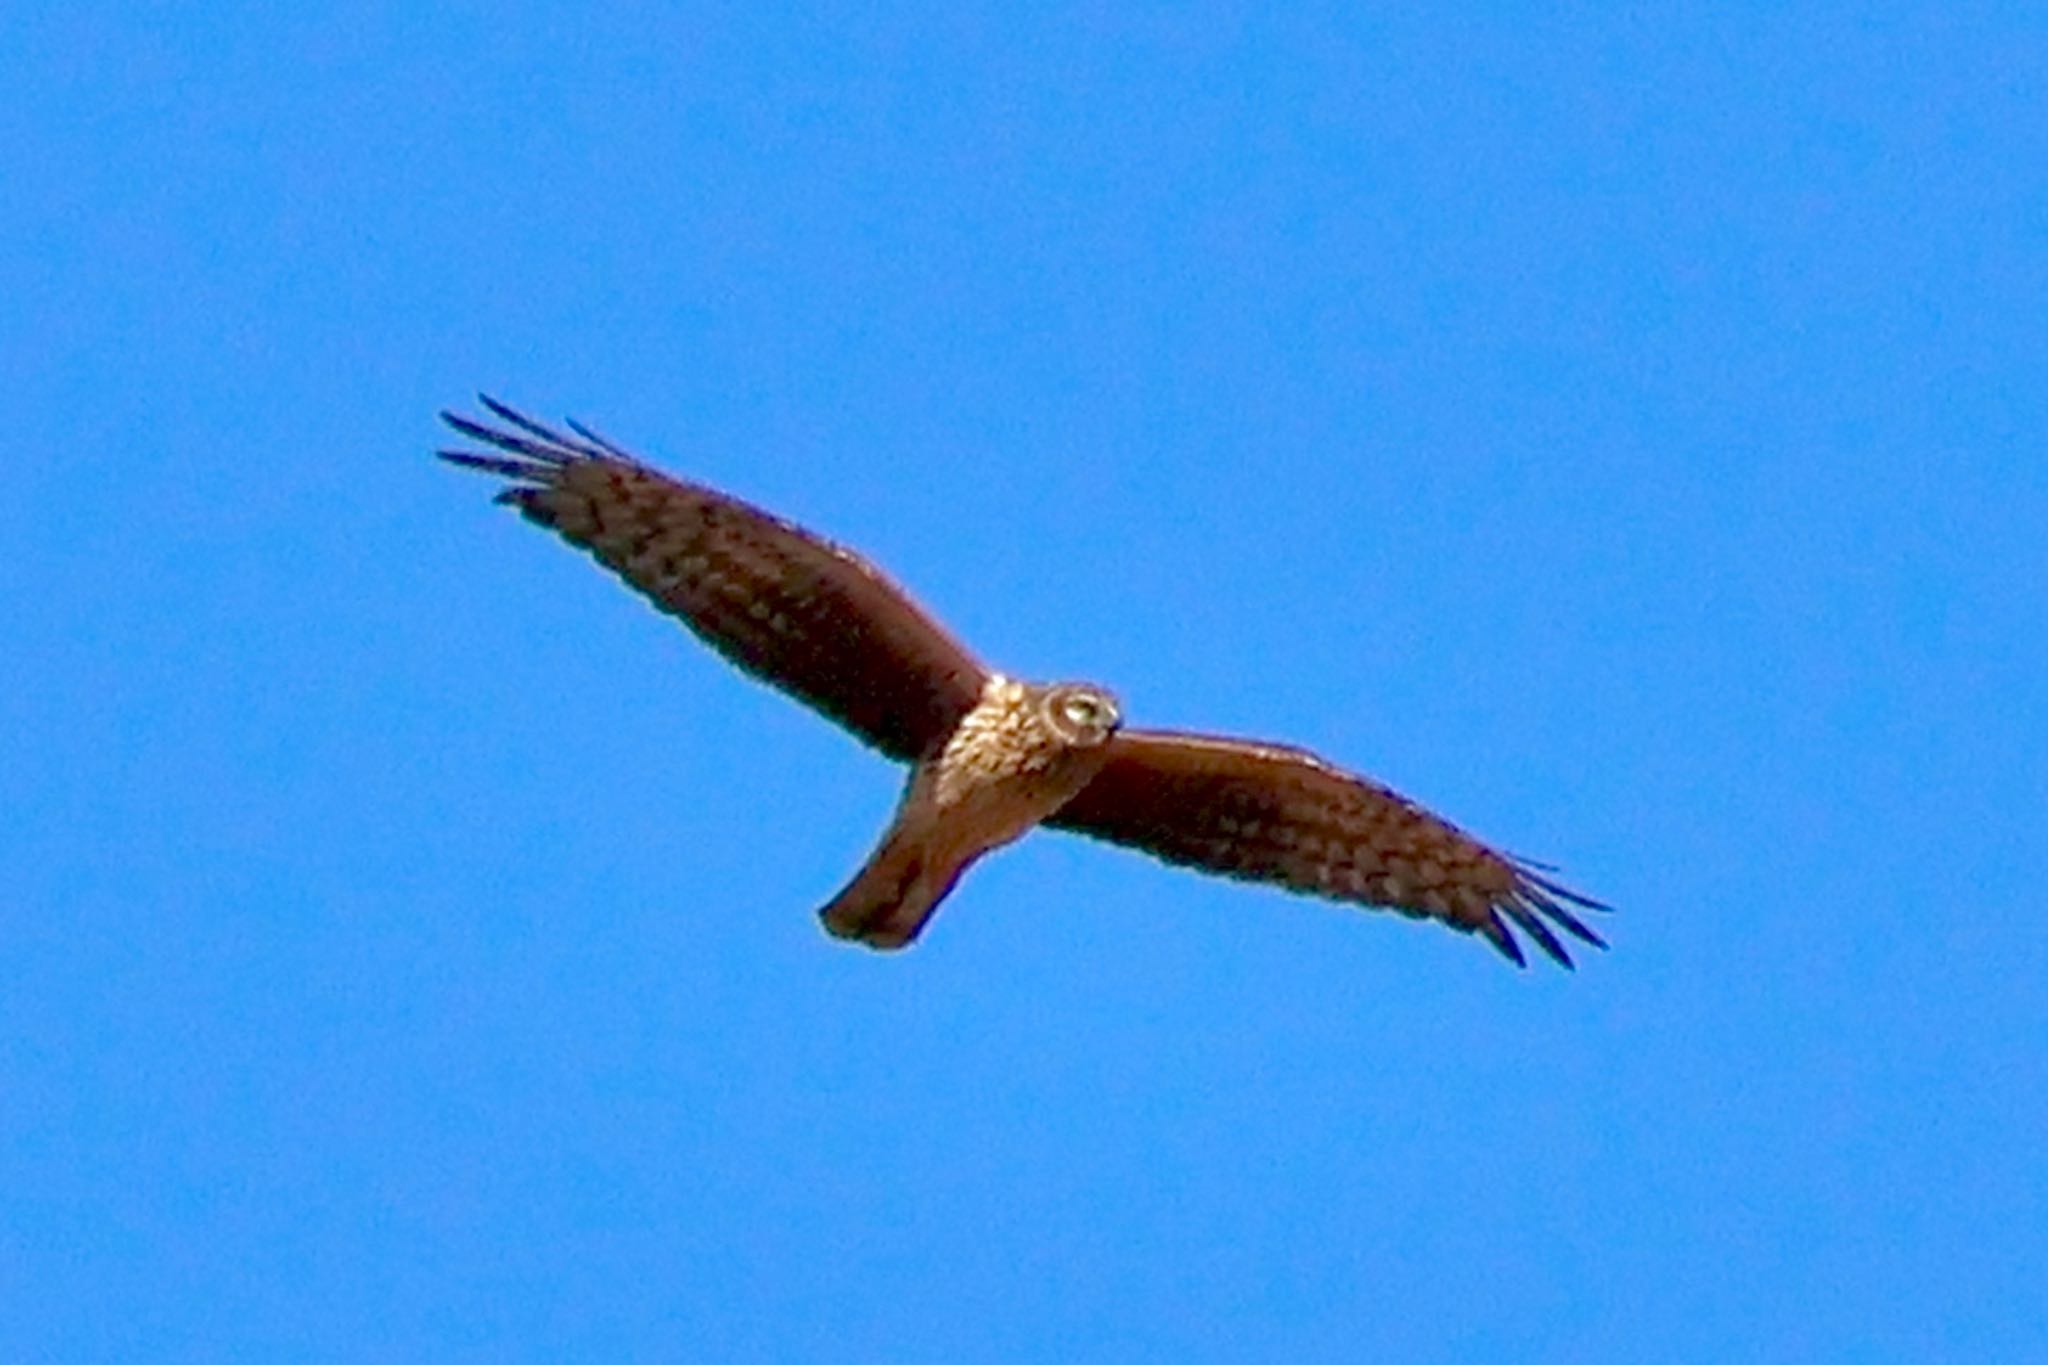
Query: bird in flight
[[992, 757]]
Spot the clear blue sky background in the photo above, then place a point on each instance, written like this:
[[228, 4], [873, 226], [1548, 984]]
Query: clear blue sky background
[[1623, 432]]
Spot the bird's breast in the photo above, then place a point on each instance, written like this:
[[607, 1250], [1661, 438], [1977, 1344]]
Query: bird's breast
[[1003, 770]]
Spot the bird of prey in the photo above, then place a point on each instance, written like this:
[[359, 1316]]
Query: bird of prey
[[992, 757]]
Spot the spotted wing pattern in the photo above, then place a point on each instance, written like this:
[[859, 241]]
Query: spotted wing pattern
[[1269, 813], [796, 611]]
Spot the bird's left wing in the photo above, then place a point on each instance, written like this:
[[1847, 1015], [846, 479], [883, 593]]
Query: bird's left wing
[[1270, 813], [807, 616]]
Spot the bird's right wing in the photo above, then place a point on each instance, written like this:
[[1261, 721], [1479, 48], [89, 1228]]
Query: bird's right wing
[[798, 612], [1270, 813]]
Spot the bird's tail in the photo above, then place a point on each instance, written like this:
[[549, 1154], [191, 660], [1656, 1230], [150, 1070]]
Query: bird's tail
[[888, 901]]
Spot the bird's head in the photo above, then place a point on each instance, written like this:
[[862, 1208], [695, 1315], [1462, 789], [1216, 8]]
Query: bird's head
[[1081, 714]]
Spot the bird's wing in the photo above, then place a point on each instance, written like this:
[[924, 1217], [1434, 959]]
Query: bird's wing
[[802, 614], [1270, 813]]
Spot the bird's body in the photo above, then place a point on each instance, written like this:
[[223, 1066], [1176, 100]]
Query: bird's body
[[1008, 765], [992, 758]]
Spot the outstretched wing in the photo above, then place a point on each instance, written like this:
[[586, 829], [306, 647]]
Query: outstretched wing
[[807, 616], [1269, 813]]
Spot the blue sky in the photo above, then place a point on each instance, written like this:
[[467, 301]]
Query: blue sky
[[1624, 432]]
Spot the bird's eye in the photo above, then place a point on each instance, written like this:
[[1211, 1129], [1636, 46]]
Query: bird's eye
[[1081, 710]]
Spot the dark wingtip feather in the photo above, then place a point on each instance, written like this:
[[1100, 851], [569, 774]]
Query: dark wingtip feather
[[1535, 928], [467, 426], [504, 412], [1577, 927], [1495, 931], [506, 441], [539, 449], [490, 464], [1538, 895], [600, 442], [1562, 891]]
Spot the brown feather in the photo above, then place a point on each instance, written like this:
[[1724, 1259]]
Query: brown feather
[[824, 625], [800, 613], [1270, 813], [895, 893]]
